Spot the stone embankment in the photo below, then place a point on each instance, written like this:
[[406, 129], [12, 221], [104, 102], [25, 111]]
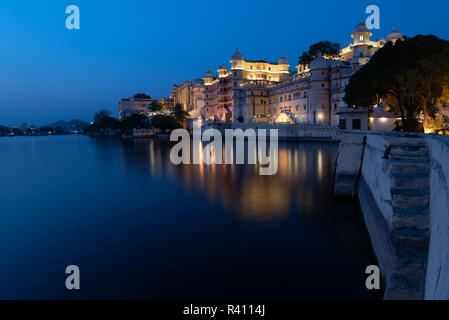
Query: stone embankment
[[400, 181]]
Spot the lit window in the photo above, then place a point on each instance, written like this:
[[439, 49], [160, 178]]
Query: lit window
[[361, 38]]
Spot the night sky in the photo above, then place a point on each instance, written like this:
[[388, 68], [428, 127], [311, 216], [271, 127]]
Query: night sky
[[48, 73]]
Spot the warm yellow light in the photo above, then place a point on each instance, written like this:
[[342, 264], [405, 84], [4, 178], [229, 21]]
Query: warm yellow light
[[283, 118]]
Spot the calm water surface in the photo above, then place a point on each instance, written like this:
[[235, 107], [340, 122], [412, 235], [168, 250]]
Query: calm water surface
[[140, 227]]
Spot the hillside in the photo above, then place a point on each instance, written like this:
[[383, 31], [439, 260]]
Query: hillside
[[69, 126]]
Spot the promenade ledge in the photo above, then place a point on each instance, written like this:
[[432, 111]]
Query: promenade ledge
[[298, 132], [401, 182]]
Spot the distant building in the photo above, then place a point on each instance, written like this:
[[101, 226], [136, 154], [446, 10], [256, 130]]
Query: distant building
[[133, 105], [144, 133]]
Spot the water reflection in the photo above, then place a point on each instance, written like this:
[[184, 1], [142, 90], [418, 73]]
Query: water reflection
[[141, 227], [303, 179]]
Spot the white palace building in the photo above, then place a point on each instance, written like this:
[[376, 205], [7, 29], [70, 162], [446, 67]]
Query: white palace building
[[262, 91]]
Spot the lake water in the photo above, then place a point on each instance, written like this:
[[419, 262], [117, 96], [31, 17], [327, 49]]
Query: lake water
[[140, 227]]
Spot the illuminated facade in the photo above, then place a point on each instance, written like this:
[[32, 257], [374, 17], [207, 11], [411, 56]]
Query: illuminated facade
[[218, 95], [314, 94], [189, 95], [251, 83], [262, 91], [363, 48]]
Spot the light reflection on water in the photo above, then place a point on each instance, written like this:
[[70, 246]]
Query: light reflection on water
[[265, 198], [140, 227]]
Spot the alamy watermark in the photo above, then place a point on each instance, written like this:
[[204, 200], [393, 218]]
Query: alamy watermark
[[373, 20], [373, 280], [73, 20], [212, 153], [72, 282]]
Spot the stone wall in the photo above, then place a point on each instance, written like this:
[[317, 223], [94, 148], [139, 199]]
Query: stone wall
[[437, 276], [393, 190], [376, 174], [349, 159], [285, 131]]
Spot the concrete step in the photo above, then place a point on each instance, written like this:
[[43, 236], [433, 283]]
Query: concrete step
[[410, 238], [410, 270], [401, 287], [407, 221], [406, 140], [408, 167], [409, 201], [424, 158], [409, 183], [411, 192], [411, 256], [422, 175], [409, 150], [412, 210]]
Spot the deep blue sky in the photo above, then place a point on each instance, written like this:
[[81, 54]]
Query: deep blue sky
[[49, 73]]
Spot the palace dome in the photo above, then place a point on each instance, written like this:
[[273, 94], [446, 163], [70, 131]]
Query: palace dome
[[319, 63], [208, 75], [361, 27], [223, 67], [394, 35], [282, 60], [237, 55]]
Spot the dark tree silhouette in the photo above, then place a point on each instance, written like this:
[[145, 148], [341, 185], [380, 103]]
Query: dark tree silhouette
[[180, 114], [325, 48], [141, 96], [410, 76], [164, 122], [100, 114], [134, 121]]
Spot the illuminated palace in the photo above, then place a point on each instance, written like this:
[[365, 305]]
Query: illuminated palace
[[262, 91]]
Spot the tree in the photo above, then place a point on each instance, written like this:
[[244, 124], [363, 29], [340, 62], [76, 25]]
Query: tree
[[156, 106], [45, 130], [180, 114], [4, 131], [101, 114], [438, 125], [164, 122], [17, 132], [134, 121], [104, 122], [324, 48], [59, 130], [141, 96], [409, 77]]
